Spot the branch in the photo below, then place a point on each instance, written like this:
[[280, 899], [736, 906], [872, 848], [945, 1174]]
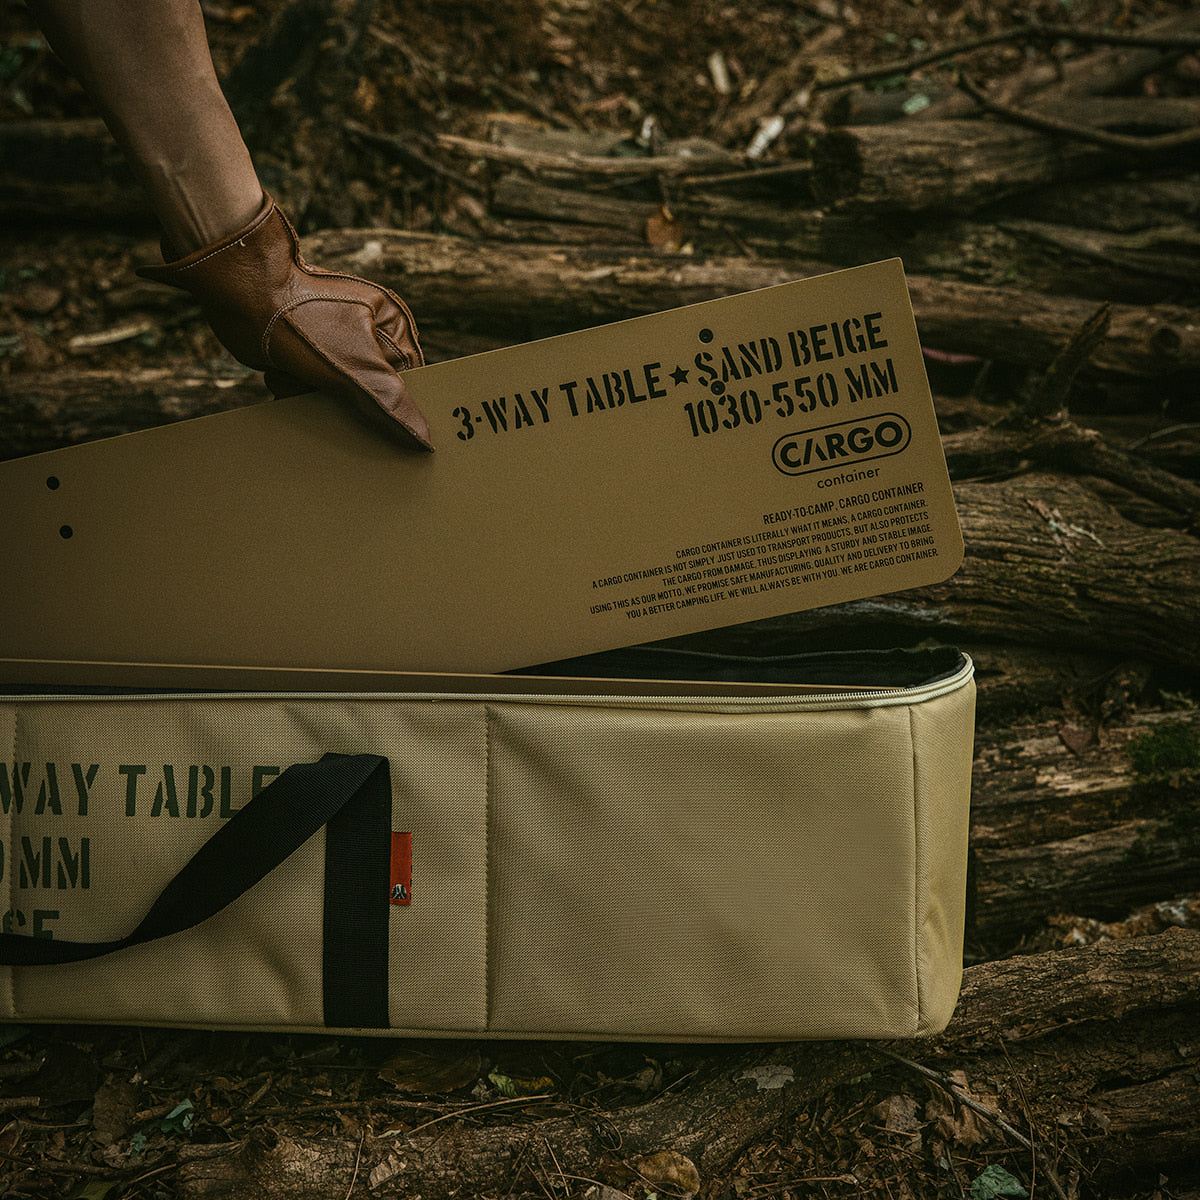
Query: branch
[[1130, 143], [1029, 32]]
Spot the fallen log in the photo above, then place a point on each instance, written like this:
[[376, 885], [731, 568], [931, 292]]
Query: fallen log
[[1048, 564], [772, 210], [1154, 259], [775, 209], [527, 292], [1013, 1040], [1062, 820], [49, 409], [942, 167]]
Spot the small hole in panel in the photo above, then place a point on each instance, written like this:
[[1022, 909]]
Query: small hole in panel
[[52, 483], [66, 531]]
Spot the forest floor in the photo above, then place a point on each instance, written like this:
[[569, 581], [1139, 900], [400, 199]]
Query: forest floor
[[110, 1114]]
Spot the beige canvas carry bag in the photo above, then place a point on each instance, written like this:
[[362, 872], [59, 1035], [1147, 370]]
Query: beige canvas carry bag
[[509, 856]]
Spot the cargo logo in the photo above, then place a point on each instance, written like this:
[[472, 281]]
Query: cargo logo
[[839, 445]]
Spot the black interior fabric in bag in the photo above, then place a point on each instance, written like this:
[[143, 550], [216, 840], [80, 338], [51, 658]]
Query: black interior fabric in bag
[[839, 668]]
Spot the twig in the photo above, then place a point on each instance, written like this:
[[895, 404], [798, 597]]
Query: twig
[[906, 66], [1082, 133], [974, 1105], [593, 164], [754, 175], [1032, 31], [357, 1160], [92, 1172], [404, 150], [1049, 397], [1016, 1079], [1170, 431], [474, 1108]]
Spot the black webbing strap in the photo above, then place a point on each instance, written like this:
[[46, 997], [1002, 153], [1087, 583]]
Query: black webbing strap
[[354, 962], [348, 794]]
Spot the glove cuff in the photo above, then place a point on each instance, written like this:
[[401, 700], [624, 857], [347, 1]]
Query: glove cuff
[[240, 281]]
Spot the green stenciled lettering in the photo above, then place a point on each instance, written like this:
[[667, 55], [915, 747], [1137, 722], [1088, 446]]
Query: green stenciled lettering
[[613, 389], [48, 796], [635, 397], [260, 777], [227, 809], [542, 400], [860, 384], [653, 380], [12, 787], [496, 412], [885, 377], [165, 798], [568, 390], [83, 783], [40, 917], [35, 865], [198, 791], [131, 774], [74, 868]]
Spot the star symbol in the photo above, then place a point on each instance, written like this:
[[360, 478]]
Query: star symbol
[[679, 375]]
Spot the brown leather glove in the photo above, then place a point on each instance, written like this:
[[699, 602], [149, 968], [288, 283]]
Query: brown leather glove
[[308, 329]]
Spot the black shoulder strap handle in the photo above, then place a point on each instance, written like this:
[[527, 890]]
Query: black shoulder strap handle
[[252, 843]]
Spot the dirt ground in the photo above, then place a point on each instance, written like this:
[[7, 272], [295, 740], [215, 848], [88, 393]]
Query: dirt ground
[[101, 1114]]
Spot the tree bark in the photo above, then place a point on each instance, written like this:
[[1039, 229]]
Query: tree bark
[[1106, 71], [942, 166], [46, 410], [1048, 564], [1061, 823]]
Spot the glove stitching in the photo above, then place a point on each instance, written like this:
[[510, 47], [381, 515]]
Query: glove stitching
[[362, 391], [284, 309], [237, 239], [321, 273], [383, 336]]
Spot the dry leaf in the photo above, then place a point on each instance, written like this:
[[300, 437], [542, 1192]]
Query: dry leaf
[[1077, 738], [663, 230], [899, 1114], [431, 1073], [668, 1171], [113, 1112], [955, 1121]]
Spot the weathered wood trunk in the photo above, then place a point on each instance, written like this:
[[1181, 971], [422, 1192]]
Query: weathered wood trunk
[[942, 166]]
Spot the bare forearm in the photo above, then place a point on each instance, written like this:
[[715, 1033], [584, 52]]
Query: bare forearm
[[147, 67]]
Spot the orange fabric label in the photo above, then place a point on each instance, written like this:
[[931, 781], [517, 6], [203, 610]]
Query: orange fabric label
[[401, 873]]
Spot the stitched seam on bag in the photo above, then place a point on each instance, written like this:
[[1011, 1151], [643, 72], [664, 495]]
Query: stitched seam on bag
[[488, 901], [917, 868]]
